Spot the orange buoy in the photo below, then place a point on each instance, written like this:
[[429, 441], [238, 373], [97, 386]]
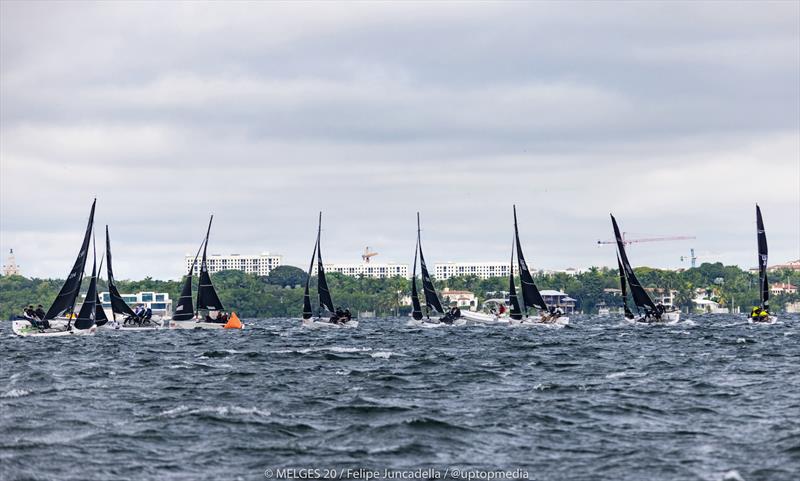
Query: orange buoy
[[233, 322]]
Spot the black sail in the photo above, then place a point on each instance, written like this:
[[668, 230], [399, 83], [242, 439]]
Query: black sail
[[640, 296], [65, 300], [307, 312], [431, 299], [762, 260], [207, 298], [118, 304], [624, 289], [416, 308], [184, 309], [100, 317], [86, 316], [531, 297], [325, 300], [516, 310]]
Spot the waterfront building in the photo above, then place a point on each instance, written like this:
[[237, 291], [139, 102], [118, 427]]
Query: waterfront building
[[483, 270], [791, 265], [159, 302], [260, 264], [369, 269], [782, 288], [463, 299], [559, 299]]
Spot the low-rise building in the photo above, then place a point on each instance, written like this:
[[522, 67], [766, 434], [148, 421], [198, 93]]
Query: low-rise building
[[661, 295], [260, 264], [559, 299], [159, 302], [791, 265], [463, 299], [782, 288]]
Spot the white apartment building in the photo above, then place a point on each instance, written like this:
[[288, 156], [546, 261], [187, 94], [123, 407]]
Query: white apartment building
[[368, 269], [260, 264], [484, 270]]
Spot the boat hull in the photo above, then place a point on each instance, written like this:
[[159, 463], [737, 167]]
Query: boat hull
[[537, 321], [483, 318], [672, 317], [323, 324], [768, 320], [433, 324], [197, 325], [24, 329]]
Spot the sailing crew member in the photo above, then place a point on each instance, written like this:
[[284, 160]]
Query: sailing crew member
[[40, 312], [347, 315]]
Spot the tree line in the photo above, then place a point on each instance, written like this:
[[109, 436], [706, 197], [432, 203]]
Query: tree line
[[281, 293]]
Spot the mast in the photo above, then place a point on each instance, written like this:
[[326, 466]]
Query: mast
[[65, 300], [763, 252], [207, 298], [118, 304], [531, 297], [623, 288], [516, 310], [416, 308], [431, 299], [325, 300], [184, 310], [307, 312], [640, 297], [100, 317], [87, 314]]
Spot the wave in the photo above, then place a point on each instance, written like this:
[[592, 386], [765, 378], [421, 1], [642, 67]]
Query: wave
[[14, 393]]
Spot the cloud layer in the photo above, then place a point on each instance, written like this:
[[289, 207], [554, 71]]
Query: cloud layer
[[676, 117]]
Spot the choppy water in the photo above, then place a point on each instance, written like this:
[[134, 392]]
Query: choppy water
[[711, 399]]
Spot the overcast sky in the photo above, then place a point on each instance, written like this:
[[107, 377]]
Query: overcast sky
[[676, 117]]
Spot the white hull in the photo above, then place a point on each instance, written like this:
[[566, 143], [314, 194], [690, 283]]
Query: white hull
[[672, 317], [118, 326], [433, 324], [769, 320], [483, 318], [322, 324], [196, 325], [537, 321], [24, 329]]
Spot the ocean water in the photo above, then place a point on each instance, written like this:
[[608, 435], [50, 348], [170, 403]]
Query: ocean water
[[713, 398]]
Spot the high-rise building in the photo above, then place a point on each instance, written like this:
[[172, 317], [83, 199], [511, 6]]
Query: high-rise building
[[11, 268], [260, 264]]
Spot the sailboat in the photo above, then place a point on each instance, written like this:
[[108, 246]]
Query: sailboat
[[187, 316], [652, 313], [60, 315], [760, 313], [118, 305], [624, 290], [323, 293], [432, 302]]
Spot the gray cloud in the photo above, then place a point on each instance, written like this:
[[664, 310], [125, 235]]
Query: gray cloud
[[677, 117]]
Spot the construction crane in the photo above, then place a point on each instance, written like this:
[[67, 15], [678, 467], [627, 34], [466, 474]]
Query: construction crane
[[691, 257], [627, 241], [367, 255]]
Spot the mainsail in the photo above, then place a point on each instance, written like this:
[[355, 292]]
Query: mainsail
[[325, 300], [207, 298], [624, 289], [531, 297], [184, 310], [86, 316], [307, 312], [118, 304], [516, 310], [763, 283], [65, 300], [416, 308], [431, 299], [640, 296], [100, 317]]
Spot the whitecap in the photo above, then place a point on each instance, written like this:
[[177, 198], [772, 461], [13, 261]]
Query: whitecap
[[384, 354], [621, 374], [15, 393], [741, 340], [732, 475]]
